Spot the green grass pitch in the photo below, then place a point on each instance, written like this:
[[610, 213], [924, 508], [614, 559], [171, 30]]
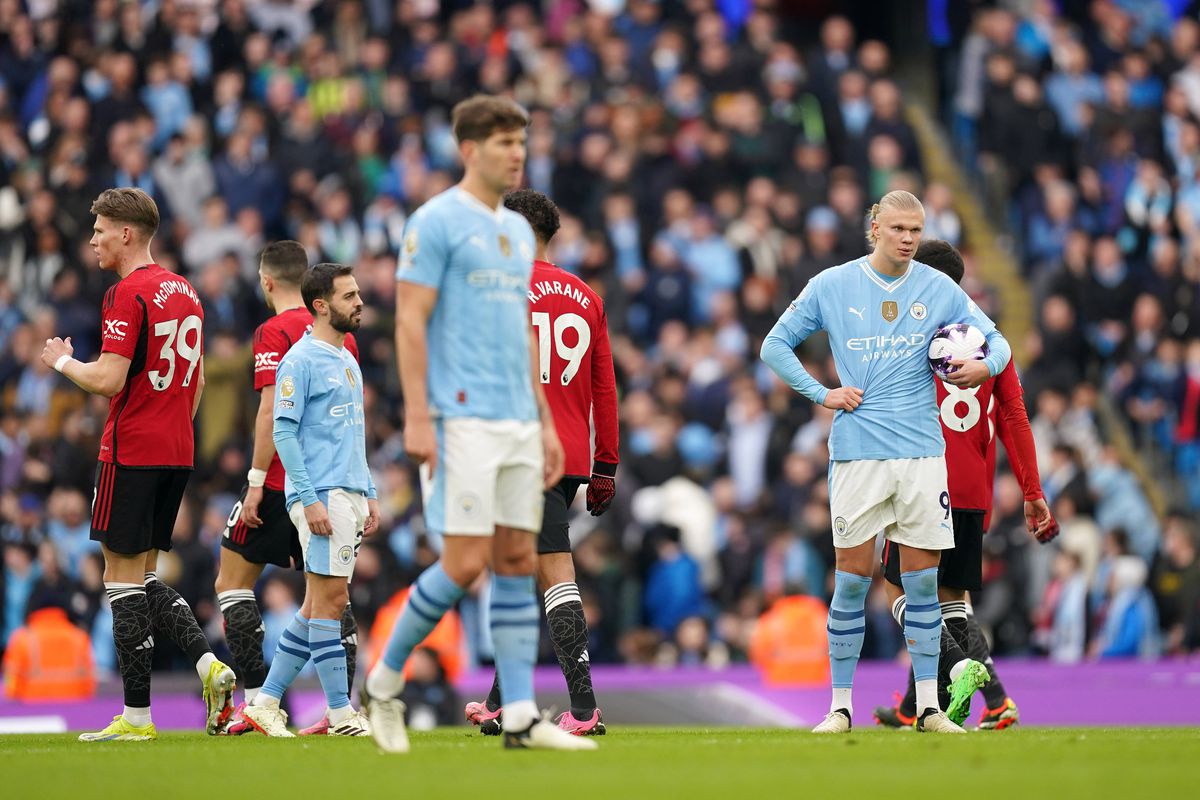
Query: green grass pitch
[[726, 763]]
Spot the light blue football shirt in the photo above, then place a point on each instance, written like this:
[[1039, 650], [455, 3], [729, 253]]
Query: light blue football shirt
[[879, 333], [319, 387], [480, 260]]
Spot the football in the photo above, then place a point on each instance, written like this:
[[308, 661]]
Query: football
[[957, 341]]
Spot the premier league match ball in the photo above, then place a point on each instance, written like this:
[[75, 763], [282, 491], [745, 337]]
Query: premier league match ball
[[958, 341]]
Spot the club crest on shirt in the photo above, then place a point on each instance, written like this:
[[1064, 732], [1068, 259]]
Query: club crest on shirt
[[890, 310], [918, 311], [505, 246], [287, 387], [350, 377], [409, 251]]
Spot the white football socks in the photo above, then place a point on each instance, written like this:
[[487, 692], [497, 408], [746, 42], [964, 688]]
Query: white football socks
[[138, 717], [927, 696], [202, 666], [841, 699], [384, 683]]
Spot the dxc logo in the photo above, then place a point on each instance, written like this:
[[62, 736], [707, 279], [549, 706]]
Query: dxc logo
[[265, 361], [115, 327]]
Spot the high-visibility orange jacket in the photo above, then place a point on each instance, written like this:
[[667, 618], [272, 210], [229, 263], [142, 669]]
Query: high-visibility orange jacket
[[446, 639], [49, 659], [790, 644]]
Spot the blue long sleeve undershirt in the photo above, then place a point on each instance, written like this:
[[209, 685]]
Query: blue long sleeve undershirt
[[780, 356], [287, 445]]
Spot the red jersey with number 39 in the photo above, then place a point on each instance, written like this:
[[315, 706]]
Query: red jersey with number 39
[[272, 339], [969, 427], [153, 318], [575, 366]]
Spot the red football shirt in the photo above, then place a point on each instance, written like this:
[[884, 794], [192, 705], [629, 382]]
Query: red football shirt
[[153, 318], [272, 339], [969, 426], [575, 365]]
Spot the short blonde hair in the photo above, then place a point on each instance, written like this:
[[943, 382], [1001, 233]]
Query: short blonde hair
[[898, 200]]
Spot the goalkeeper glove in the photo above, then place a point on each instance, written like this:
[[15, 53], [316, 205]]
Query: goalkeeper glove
[[602, 487], [1047, 533]]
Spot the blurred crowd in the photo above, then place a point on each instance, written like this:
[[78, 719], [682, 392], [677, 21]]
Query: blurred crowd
[[1081, 121], [709, 158]]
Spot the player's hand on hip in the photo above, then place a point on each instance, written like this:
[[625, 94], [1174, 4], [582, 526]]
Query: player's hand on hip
[[317, 518], [372, 523], [420, 443], [846, 398], [250, 507], [552, 457], [968, 373], [55, 349], [602, 487]]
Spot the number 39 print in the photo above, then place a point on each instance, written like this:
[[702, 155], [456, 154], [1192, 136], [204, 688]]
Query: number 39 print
[[176, 333]]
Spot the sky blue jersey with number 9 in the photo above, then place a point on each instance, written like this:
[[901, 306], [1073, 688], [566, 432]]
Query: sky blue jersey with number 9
[[879, 333]]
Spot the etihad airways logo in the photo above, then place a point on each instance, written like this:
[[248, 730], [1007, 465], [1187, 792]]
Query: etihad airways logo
[[499, 286], [877, 347], [497, 279], [351, 414]]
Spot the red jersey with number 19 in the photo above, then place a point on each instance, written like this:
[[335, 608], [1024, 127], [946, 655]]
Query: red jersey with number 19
[[575, 366], [153, 318], [272, 339]]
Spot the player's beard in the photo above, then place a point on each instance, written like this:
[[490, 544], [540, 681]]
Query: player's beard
[[347, 323]]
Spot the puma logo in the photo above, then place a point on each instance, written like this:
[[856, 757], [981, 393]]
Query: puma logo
[[857, 311]]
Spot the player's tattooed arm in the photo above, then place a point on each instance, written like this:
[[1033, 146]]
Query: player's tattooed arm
[[372, 522], [105, 376], [264, 450], [199, 388]]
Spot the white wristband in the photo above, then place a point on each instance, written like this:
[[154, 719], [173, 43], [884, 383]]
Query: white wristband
[[61, 362], [256, 478]]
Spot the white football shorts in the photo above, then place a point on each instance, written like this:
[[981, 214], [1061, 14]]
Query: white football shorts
[[488, 473], [333, 555], [905, 499]]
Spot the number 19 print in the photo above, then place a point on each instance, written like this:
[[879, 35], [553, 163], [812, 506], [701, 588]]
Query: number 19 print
[[573, 354]]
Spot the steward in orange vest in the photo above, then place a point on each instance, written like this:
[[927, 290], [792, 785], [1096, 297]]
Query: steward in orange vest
[[49, 659]]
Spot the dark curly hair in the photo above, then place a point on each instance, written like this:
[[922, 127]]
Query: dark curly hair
[[538, 209], [943, 257]]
